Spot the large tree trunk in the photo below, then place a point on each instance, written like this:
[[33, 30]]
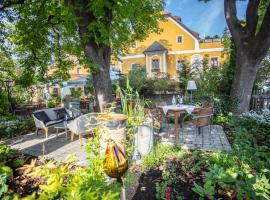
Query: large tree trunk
[[244, 77], [101, 75]]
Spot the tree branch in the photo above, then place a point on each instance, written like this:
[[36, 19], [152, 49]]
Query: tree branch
[[252, 17], [262, 39], [232, 21]]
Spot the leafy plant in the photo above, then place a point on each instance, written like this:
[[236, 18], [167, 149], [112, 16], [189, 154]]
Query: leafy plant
[[158, 154]]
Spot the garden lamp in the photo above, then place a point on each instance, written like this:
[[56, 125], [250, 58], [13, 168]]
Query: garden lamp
[[191, 86], [8, 85]]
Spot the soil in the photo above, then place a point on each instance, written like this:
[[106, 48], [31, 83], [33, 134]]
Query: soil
[[181, 187], [22, 184]]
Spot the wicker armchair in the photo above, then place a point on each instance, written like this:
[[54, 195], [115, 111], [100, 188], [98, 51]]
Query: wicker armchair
[[200, 118]]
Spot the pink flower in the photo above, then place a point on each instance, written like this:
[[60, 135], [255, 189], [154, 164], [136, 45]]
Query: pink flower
[[168, 193]]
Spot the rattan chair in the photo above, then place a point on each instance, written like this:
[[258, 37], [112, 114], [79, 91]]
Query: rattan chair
[[201, 118]]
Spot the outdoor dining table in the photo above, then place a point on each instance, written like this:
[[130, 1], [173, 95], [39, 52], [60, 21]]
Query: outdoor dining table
[[176, 110]]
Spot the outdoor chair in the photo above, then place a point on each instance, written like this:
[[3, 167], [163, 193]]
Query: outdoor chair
[[49, 117], [201, 118], [83, 125], [160, 113], [206, 104]]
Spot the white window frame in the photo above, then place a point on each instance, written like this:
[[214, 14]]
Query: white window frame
[[217, 61], [182, 41], [177, 59], [159, 64], [131, 68]]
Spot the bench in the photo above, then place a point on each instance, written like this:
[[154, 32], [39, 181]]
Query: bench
[[49, 117]]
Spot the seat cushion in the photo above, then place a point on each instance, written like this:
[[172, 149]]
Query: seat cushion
[[51, 123], [42, 116], [61, 113]]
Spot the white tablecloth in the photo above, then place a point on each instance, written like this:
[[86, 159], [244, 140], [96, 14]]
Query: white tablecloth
[[188, 108]]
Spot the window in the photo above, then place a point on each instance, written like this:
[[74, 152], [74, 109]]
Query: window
[[133, 45], [179, 64], [113, 67], [179, 39], [135, 66], [79, 70], [55, 91], [155, 65], [196, 62], [214, 61]]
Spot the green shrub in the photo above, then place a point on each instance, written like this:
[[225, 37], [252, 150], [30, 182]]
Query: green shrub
[[158, 154], [12, 126], [6, 153]]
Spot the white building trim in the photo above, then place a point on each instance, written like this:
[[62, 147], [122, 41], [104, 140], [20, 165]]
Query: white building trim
[[132, 56], [120, 66], [164, 63], [146, 64], [195, 51], [175, 52]]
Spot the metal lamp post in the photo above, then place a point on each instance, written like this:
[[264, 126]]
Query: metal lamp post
[[191, 86], [8, 86]]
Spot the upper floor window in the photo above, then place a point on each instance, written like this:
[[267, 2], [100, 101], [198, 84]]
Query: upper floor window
[[79, 70], [180, 64], [133, 45], [179, 39], [214, 61], [135, 66], [155, 65]]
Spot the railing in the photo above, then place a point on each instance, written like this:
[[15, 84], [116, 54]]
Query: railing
[[259, 101]]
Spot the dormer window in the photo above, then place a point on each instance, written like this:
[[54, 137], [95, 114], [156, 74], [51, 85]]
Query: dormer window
[[179, 39], [133, 45]]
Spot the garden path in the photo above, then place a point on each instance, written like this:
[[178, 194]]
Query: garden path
[[59, 147], [54, 147]]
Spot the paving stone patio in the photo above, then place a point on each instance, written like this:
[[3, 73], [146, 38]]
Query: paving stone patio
[[60, 147], [54, 147], [212, 138]]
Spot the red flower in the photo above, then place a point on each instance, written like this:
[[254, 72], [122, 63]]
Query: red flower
[[168, 193]]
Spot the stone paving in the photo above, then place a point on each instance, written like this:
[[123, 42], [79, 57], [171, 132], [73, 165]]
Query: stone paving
[[212, 138], [54, 147], [59, 147]]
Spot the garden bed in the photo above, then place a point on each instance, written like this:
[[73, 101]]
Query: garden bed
[[174, 175]]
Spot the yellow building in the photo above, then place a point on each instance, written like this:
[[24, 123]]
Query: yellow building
[[164, 53], [78, 76]]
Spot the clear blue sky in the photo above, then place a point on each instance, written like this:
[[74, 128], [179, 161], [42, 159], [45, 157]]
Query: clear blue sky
[[204, 18]]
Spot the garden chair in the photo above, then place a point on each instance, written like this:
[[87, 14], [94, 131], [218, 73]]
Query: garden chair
[[161, 115], [201, 118]]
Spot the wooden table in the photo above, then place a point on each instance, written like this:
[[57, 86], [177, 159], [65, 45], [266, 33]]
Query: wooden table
[[176, 112]]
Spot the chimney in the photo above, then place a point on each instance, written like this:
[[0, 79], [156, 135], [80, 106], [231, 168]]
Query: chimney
[[177, 18]]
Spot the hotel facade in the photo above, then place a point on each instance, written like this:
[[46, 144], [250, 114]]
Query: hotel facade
[[164, 53]]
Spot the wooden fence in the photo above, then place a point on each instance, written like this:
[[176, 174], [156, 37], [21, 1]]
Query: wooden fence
[[259, 101]]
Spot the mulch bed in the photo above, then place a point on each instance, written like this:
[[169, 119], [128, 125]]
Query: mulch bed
[[20, 183], [184, 174]]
